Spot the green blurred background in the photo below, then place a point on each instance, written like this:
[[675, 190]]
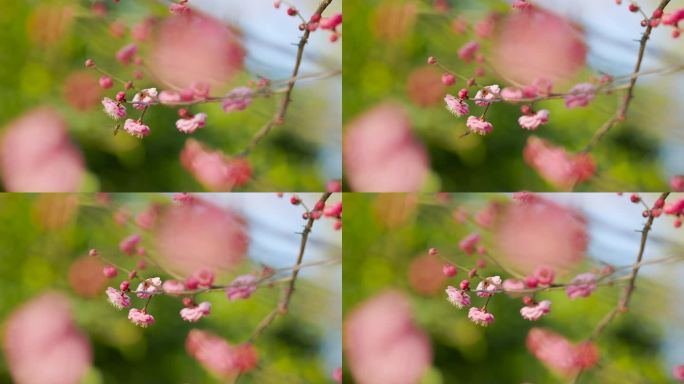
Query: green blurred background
[[385, 247], [386, 48], [43, 236], [45, 43]]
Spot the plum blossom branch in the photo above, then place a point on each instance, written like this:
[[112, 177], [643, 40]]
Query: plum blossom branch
[[623, 304], [283, 304], [280, 114], [621, 112]]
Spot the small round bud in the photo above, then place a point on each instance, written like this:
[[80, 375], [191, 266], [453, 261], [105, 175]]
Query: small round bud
[[481, 264], [128, 85], [634, 198], [93, 252], [292, 11], [531, 282], [472, 273], [448, 79], [125, 285], [528, 300], [433, 252], [463, 94], [294, 200], [89, 63], [658, 13], [677, 223], [449, 270], [121, 96], [633, 8], [191, 283], [106, 82], [188, 302], [109, 271], [132, 275], [464, 285], [431, 60]]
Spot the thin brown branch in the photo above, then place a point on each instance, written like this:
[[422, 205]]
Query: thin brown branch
[[283, 304], [621, 112], [280, 114]]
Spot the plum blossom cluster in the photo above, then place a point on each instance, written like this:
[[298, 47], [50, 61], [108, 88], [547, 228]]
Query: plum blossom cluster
[[331, 211], [191, 57], [480, 285], [514, 42], [134, 289], [315, 22]]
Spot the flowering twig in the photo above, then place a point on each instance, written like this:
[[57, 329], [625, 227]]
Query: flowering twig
[[285, 103], [282, 307], [629, 94], [623, 304]]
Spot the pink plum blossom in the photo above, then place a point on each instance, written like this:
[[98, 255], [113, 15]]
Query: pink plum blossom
[[140, 317], [42, 343], [145, 98], [512, 94], [580, 95], [205, 277], [148, 287], [559, 354], [126, 53], [241, 288], [536, 311], [457, 297], [673, 18], [36, 154], [113, 109], [538, 232], [195, 48], [544, 275], [237, 100], [117, 298], [199, 235], [381, 152], [489, 286], [678, 372], [218, 356], [484, 96], [556, 165], [677, 183], [173, 287], [468, 51], [480, 316], [456, 106], [191, 124], [194, 314], [581, 286], [129, 244], [213, 169], [383, 344], [136, 128], [537, 43], [469, 243], [511, 286], [479, 125], [169, 97], [331, 22], [533, 121]]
